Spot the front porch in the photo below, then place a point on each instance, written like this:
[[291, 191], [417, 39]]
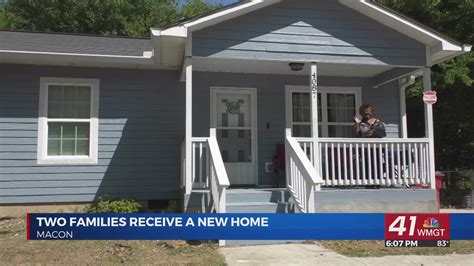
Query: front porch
[[327, 200], [272, 110], [290, 91], [265, 75]]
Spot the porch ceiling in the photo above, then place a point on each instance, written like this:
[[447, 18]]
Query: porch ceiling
[[282, 68]]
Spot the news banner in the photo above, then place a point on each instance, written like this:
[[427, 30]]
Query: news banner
[[398, 230]]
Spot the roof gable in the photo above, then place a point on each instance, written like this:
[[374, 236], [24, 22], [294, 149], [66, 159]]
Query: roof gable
[[325, 32], [440, 47]]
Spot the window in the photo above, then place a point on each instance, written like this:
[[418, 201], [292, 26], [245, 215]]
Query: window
[[336, 110], [68, 121]]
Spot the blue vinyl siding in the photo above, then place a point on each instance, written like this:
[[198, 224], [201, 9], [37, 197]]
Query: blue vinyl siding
[[308, 30], [271, 105], [140, 131]]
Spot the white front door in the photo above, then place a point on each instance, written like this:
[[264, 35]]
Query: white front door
[[233, 114]]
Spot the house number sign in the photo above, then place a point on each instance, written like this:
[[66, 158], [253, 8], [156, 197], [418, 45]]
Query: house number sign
[[314, 84]]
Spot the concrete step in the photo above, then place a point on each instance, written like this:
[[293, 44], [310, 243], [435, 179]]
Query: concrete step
[[257, 195], [260, 207]]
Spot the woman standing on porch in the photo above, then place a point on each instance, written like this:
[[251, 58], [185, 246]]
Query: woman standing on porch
[[367, 126]]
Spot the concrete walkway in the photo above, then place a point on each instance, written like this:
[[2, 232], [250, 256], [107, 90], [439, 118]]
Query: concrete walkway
[[312, 254]]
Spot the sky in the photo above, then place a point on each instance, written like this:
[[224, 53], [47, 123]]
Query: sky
[[224, 2]]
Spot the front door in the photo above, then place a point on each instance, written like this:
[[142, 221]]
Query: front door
[[233, 114]]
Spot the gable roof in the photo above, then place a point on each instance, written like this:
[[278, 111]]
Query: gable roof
[[440, 46], [167, 46]]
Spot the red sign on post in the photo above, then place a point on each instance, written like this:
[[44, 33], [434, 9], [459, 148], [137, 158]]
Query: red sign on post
[[429, 97]]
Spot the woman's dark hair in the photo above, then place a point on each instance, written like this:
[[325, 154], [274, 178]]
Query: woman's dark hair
[[365, 106]]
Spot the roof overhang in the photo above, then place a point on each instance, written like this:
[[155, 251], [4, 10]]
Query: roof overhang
[[440, 47], [73, 59]]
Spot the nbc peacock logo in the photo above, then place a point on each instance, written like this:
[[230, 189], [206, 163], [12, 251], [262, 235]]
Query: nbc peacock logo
[[431, 223]]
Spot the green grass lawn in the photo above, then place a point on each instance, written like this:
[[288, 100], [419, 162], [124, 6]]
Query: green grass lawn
[[15, 249]]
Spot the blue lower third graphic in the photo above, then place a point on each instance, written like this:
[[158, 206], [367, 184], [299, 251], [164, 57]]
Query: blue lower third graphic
[[213, 226]]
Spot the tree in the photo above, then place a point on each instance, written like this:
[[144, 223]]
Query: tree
[[104, 17], [196, 7], [453, 80]]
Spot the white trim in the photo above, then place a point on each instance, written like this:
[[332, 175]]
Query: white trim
[[70, 59], [253, 94], [183, 30], [324, 90], [146, 54], [410, 80], [42, 150], [313, 81], [188, 134]]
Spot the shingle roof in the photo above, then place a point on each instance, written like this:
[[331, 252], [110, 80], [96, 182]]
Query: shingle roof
[[73, 43]]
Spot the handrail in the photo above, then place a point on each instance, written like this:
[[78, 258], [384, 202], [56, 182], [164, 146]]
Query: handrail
[[302, 177], [374, 161], [372, 140], [219, 181]]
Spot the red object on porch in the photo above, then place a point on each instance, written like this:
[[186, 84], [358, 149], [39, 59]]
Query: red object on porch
[[280, 155], [439, 185]]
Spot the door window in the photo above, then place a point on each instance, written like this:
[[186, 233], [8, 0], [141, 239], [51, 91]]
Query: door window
[[234, 127]]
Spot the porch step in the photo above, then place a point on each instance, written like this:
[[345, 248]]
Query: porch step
[[243, 201], [257, 195], [258, 201], [260, 207]]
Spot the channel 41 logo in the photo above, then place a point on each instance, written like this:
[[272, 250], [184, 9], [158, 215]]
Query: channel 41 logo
[[417, 230]]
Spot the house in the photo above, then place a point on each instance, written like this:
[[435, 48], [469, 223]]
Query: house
[[197, 111]]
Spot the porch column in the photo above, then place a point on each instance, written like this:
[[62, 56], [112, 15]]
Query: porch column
[[189, 116], [429, 132], [404, 82], [314, 104], [314, 116]]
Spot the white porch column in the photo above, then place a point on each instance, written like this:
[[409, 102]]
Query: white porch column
[[314, 116], [404, 82], [429, 131], [403, 112], [314, 102], [189, 116]]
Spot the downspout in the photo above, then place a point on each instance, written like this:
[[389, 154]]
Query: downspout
[[404, 82]]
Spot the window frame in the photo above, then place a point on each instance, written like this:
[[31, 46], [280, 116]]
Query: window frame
[[42, 153], [324, 90]]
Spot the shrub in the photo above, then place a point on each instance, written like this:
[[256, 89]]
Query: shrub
[[107, 205]]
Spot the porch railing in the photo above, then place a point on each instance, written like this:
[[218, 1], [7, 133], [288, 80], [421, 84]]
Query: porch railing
[[302, 177], [218, 179], [386, 162], [208, 171]]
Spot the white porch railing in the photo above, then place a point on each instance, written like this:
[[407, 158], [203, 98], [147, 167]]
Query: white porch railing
[[387, 161], [208, 169], [307, 145], [302, 177]]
